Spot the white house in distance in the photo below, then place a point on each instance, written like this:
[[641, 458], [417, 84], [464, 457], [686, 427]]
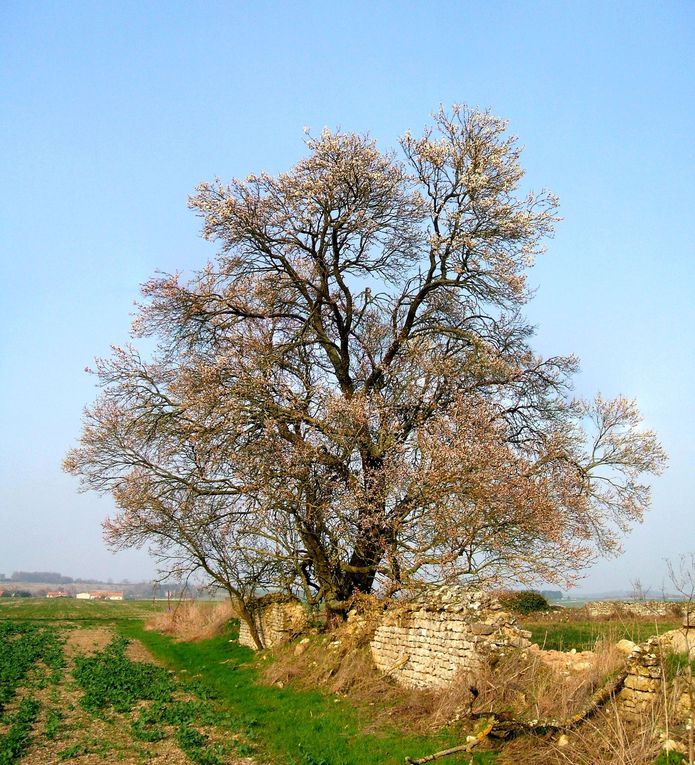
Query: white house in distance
[[99, 595]]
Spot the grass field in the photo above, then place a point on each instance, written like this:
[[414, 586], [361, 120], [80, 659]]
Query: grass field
[[583, 634], [176, 702], [77, 611]]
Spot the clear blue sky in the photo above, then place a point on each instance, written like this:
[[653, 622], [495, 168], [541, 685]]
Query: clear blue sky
[[112, 112]]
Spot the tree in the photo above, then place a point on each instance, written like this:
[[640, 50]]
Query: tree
[[346, 397]]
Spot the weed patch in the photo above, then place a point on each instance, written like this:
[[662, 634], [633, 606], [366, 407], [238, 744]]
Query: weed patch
[[110, 679], [24, 646], [16, 740], [676, 664]]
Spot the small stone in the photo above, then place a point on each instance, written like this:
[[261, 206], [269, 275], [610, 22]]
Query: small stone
[[626, 646], [563, 740], [673, 746], [480, 628]]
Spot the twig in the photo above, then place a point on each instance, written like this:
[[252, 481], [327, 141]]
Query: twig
[[467, 747]]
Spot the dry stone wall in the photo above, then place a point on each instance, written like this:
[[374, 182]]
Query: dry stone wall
[[642, 608], [646, 684], [426, 642], [277, 620], [644, 681]]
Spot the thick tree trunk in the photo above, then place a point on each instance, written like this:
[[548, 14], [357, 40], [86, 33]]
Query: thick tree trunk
[[247, 616]]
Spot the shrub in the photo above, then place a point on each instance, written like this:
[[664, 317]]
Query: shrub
[[523, 601]]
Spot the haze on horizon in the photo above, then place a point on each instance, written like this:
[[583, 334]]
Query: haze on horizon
[[113, 113]]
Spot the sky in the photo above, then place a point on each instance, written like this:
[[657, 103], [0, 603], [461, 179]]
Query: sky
[[112, 113]]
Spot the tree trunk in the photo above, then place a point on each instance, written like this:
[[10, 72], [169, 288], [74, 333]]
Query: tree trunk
[[247, 616]]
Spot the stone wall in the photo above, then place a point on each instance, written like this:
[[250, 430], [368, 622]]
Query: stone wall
[[277, 619], [641, 608], [644, 681], [426, 642]]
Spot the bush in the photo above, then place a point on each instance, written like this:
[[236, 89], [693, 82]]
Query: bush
[[523, 601]]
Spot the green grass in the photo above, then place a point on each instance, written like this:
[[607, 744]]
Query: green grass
[[79, 611], [670, 758], [677, 664], [583, 635], [287, 725]]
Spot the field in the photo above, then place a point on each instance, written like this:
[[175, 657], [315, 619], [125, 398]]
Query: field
[[84, 681], [82, 693], [77, 611], [582, 634]]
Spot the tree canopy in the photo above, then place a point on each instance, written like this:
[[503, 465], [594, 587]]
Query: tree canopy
[[346, 397]]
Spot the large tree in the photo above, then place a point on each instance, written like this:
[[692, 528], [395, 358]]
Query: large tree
[[346, 397]]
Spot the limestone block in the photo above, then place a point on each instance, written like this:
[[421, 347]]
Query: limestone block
[[481, 628], [519, 642], [626, 646], [652, 671], [641, 683]]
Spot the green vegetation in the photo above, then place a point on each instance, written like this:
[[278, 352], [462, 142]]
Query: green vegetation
[[78, 611], [677, 664], [287, 725], [15, 741], [54, 719], [524, 601], [76, 750], [30, 657], [110, 679], [24, 648], [583, 635], [670, 758], [197, 746]]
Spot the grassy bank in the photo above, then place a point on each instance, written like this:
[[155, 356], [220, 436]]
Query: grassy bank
[[286, 725]]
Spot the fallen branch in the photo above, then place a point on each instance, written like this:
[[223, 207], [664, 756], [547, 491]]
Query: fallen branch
[[503, 728], [507, 727], [469, 746]]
